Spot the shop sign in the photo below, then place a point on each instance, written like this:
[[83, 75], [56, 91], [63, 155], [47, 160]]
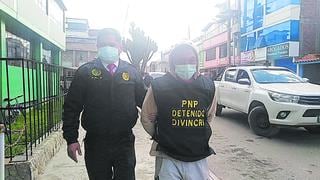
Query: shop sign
[[278, 51], [248, 56]]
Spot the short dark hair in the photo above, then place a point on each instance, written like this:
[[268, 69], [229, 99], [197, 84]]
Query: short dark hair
[[107, 32], [178, 49]]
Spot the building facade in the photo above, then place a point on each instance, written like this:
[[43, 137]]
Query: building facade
[[280, 33], [32, 29], [213, 44], [213, 56], [29, 29], [309, 60], [161, 64], [80, 43], [270, 32]]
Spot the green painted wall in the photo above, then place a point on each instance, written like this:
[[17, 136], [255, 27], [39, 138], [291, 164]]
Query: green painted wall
[[16, 83], [56, 57], [27, 18], [38, 84]]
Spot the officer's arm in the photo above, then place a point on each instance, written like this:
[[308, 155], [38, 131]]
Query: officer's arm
[[73, 106], [140, 90], [149, 112]]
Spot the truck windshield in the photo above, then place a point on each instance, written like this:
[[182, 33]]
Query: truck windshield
[[265, 76]]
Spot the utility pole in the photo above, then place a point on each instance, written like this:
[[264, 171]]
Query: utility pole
[[226, 18], [234, 47], [239, 31], [229, 17], [236, 14], [189, 32]]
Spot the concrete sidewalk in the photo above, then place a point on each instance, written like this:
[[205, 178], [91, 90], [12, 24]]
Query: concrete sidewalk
[[62, 168]]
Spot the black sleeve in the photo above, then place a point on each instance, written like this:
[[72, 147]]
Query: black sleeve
[[73, 105], [212, 88], [140, 90]]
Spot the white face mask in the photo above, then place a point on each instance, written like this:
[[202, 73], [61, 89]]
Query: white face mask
[[108, 54], [186, 71]]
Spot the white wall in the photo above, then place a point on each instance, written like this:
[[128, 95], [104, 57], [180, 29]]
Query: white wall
[[29, 13], [291, 12]]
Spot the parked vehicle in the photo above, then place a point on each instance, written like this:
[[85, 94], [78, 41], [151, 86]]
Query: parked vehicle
[[155, 75], [149, 77], [272, 97]]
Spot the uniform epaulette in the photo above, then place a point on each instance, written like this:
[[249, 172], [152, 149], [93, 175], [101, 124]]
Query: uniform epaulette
[[90, 63], [129, 64]]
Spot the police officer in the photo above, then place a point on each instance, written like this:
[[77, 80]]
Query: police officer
[[106, 91], [176, 113]]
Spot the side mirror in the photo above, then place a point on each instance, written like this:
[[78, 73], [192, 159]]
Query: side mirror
[[244, 81], [306, 80]]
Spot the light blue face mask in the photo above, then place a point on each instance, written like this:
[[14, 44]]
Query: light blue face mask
[[108, 54], [186, 71]]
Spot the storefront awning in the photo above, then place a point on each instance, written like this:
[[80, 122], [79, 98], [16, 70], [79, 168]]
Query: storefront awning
[[308, 58]]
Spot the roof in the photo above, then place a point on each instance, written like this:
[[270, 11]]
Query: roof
[[308, 58], [207, 26]]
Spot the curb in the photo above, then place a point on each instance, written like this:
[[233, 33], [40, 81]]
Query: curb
[[36, 164]]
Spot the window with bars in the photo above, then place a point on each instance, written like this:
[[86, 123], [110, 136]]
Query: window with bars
[[17, 47], [223, 51]]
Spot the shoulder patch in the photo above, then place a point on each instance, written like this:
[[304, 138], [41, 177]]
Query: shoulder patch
[[130, 65]]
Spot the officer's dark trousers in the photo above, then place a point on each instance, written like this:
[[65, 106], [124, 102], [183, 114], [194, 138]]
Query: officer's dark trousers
[[110, 157]]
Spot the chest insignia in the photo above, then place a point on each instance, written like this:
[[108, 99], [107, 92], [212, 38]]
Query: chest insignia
[[125, 76], [96, 74]]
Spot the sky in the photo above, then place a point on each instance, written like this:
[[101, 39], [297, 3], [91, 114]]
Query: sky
[[165, 21]]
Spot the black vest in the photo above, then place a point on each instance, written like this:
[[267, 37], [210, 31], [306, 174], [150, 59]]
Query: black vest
[[182, 129]]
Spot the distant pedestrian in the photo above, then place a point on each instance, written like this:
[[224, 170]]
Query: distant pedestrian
[[44, 59], [107, 91], [147, 79], [176, 113]]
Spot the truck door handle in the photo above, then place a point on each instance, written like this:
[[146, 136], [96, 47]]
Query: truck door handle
[[233, 88], [221, 86]]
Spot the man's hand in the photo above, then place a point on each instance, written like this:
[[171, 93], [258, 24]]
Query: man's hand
[[72, 151]]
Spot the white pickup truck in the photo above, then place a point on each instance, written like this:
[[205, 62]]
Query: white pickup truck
[[272, 97]]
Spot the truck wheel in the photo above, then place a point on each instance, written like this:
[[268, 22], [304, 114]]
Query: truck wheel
[[313, 129], [219, 110], [259, 122]]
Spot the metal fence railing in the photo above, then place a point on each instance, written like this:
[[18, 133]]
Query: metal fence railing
[[32, 96]]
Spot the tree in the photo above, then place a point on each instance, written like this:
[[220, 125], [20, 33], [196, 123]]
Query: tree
[[140, 48]]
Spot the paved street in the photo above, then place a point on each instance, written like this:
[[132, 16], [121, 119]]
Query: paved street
[[293, 154]]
